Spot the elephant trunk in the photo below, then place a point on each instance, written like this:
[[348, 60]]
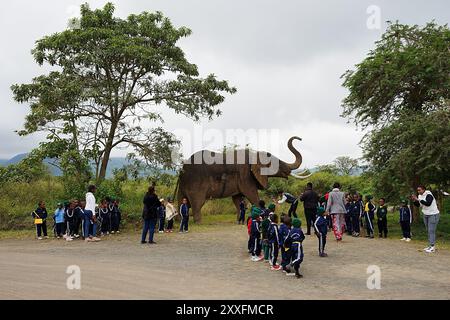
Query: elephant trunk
[[298, 157]]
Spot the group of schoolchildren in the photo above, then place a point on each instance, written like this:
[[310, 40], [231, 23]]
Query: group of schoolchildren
[[71, 220], [362, 214], [267, 238]]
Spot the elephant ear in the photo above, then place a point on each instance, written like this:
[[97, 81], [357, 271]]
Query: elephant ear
[[263, 180]]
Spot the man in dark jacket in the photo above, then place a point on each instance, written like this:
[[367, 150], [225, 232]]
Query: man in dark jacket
[[310, 201], [150, 214]]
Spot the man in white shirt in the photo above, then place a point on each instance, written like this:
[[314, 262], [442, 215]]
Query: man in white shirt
[[90, 206]]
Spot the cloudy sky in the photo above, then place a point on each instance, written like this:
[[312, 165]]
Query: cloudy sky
[[284, 57]]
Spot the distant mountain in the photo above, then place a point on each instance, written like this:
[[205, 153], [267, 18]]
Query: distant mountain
[[114, 163]]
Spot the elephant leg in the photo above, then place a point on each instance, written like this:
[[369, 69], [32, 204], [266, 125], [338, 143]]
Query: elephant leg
[[196, 205], [252, 196], [237, 202]]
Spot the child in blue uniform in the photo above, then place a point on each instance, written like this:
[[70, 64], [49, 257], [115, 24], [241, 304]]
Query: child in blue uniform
[[369, 214], [273, 239], [161, 215], [294, 243], [321, 228], [356, 211], [255, 235], [242, 209], [285, 228], [59, 220], [184, 212], [405, 221]]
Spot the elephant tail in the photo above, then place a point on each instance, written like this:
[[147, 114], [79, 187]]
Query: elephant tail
[[176, 189]]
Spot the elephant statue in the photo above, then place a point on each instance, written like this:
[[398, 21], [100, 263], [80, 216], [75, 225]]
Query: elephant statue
[[209, 175]]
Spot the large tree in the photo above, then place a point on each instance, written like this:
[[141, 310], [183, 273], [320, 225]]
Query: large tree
[[108, 75], [401, 91]]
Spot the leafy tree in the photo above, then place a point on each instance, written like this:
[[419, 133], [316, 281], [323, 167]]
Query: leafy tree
[[407, 72], [27, 170], [328, 168], [109, 75], [345, 165], [402, 91]]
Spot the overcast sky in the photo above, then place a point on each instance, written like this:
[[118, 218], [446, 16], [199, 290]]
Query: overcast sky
[[284, 57]]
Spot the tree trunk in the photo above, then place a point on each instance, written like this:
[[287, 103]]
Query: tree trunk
[[107, 153], [415, 210]]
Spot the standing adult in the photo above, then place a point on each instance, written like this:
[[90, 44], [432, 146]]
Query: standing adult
[[310, 201], [292, 200], [90, 207], [427, 203], [150, 214], [336, 208]]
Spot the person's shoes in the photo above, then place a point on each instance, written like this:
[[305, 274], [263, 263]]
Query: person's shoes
[[167, 231], [253, 258], [259, 258], [275, 268], [152, 242], [367, 236], [143, 242], [380, 236], [160, 231], [308, 233], [76, 236], [89, 239], [39, 238], [112, 232], [266, 260], [403, 239], [427, 248], [96, 239], [290, 273], [385, 236], [180, 232], [46, 237], [187, 231], [430, 250], [298, 276], [408, 239], [371, 236], [323, 254]]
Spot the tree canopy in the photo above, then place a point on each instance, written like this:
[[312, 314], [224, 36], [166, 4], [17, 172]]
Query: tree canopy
[[109, 73], [401, 91]]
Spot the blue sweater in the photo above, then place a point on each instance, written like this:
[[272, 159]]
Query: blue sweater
[[59, 215], [405, 214], [321, 225], [273, 236]]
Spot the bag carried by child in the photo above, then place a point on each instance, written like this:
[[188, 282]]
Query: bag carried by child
[[37, 219]]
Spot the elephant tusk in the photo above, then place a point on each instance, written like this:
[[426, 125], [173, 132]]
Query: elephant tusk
[[302, 172], [301, 177]]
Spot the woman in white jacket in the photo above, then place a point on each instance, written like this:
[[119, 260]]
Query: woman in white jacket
[[427, 203]]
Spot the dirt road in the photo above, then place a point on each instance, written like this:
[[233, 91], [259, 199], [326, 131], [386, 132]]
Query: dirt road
[[214, 264]]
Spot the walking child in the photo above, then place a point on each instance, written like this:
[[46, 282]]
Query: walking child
[[294, 243], [321, 228]]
